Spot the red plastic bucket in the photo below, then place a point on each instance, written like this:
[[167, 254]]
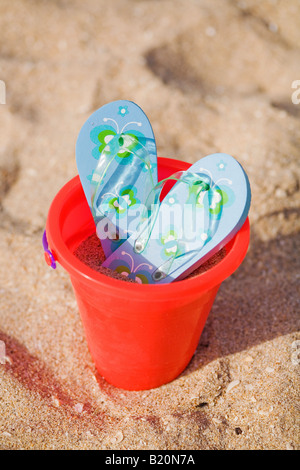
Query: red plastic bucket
[[139, 336]]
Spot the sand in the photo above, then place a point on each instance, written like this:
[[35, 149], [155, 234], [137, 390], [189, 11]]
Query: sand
[[211, 76], [90, 252]]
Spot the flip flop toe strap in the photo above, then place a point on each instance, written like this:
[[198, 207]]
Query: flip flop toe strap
[[115, 147]]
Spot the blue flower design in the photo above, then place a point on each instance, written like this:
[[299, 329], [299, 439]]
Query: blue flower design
[[221, 165], [123, 110], [145, 167], [171, 200]]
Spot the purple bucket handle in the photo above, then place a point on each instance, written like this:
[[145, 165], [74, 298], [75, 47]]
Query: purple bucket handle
[[49, 258]]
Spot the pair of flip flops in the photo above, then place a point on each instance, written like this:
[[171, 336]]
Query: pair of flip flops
[[150, 240]]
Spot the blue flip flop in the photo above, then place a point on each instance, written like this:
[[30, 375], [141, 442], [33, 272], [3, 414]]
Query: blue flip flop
[[203, 211], [117, 164]]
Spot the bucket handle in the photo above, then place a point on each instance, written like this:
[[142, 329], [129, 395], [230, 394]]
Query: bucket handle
[[49, 258]]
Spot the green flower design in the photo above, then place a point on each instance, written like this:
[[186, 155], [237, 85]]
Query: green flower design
[[169, 242], [198, 192], [220, 198], [102, 135], [126, 199]]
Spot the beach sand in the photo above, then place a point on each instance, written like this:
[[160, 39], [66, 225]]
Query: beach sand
[[212, 76]]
